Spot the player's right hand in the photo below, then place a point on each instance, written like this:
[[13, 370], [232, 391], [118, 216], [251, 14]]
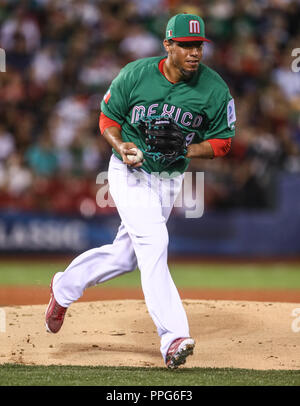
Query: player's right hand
[[124, 150]]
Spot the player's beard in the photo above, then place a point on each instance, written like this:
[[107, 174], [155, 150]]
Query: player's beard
[[187, 75]]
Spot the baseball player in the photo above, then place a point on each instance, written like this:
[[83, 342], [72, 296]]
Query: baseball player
[[158, 113]]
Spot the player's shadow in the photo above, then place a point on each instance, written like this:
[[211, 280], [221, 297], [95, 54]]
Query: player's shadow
[[92, 349]]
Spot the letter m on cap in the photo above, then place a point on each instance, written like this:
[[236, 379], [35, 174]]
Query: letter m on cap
[[194, 27]]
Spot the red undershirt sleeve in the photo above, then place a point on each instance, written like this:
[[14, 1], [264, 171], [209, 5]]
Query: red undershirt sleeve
[[220, 146], [105, 122]]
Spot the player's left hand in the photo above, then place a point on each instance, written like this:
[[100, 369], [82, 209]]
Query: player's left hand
[[164, 138]]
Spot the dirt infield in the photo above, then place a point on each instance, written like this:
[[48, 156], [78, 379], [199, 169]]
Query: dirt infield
[[111, 326], [239, 334], [31, 295]]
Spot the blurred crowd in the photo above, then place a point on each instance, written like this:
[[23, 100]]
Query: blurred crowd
[[61, 56]]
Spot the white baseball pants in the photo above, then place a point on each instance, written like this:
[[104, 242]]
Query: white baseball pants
[[144, 203]]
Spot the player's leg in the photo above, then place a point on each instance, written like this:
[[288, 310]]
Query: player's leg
[[94, 266], [146, 225]]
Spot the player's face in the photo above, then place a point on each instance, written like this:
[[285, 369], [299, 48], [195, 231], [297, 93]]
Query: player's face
[[185, 56]]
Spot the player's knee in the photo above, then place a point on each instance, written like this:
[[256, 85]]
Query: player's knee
[[164, 237], [129, 265], [156, 240], [160, 240], [126, 261]]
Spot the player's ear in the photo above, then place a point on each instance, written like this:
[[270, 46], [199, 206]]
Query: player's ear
[[167, 45]]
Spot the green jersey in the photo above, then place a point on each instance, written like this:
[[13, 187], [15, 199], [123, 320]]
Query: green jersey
[[202, 106]]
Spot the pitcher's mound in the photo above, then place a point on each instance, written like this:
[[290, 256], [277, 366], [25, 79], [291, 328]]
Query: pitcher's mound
[[255, 335]]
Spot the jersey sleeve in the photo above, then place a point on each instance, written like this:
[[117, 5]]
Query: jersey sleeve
[[222, 119], [115, 101]]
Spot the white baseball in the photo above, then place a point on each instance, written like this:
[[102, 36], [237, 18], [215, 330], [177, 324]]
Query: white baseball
[[136, 158]]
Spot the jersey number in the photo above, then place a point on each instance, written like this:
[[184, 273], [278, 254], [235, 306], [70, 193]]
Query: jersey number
[[189, 138]]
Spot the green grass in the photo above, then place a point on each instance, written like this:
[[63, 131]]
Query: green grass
[[239, 276], [14, 374]]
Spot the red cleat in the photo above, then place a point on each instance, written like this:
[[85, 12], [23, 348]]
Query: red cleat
[[178, 351], [55, 314]]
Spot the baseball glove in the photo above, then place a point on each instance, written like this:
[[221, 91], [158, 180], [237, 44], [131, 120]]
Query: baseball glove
[[165, 141]]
